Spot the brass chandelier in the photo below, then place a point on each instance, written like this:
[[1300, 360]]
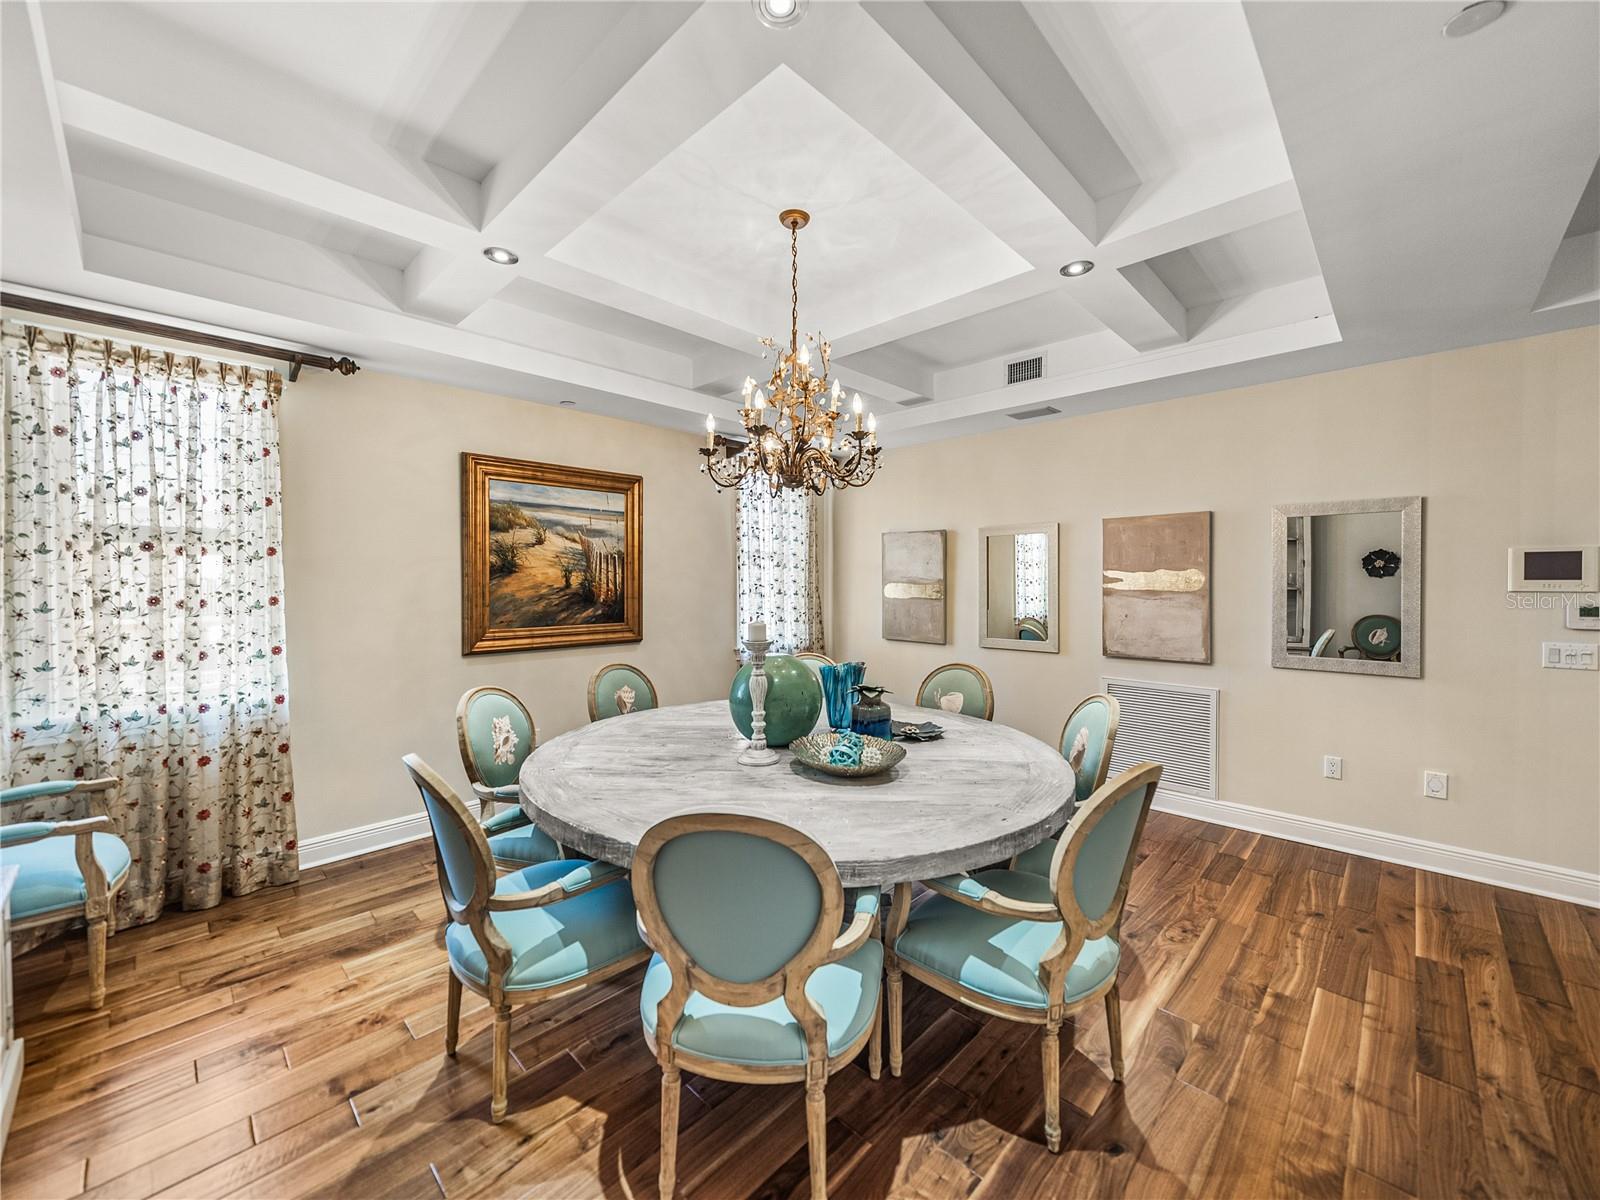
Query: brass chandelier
[[790, 425]]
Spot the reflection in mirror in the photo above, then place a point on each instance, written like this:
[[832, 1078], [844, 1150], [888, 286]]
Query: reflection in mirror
[[1347, 576], [1018, 588]]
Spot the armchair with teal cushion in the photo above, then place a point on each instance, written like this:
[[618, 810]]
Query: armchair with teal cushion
[[67, 868], [1086, 743], [753, 980], [617, 688], [495, 732], [1026, 947], [958, 688], [532, 935]]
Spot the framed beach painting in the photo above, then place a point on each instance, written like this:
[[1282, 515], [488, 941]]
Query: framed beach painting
[[550, 555]]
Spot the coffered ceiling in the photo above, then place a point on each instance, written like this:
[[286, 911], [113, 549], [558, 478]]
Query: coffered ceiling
[[1264, 189]]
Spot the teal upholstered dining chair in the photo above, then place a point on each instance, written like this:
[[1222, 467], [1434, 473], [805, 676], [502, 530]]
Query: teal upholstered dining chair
[[814, 661], [1321, 645], [1031, 629], [617, 688], [495, 732], [960, 688], [1086, 742], [535, 934], [68, 868], [1027, 948], [753, 981]]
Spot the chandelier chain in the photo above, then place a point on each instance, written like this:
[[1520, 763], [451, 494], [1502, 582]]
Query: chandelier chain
[[794, 286]]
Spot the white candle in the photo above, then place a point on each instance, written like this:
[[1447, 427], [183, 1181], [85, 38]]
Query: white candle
[[711, 432], [758, 631]]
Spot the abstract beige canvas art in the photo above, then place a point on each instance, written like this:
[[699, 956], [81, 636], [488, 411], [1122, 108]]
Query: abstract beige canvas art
[[914, 586], [1156, 587]]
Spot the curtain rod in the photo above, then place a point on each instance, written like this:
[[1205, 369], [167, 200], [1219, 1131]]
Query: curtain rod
[[295, 358]]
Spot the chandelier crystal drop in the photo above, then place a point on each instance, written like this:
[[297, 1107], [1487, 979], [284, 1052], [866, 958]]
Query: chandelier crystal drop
[[790, 424]]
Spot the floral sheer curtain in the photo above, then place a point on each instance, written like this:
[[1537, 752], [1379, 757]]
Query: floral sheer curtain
[[1033, 567], [778, 567], [143, 586]]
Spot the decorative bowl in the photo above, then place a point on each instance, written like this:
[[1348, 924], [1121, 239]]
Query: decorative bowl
[[876, 755], [927, 731]]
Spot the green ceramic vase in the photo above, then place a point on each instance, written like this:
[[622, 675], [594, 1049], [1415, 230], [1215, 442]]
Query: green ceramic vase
[[794, 699]]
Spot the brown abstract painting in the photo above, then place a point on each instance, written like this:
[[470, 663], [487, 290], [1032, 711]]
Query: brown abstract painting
[[550, 555], [1156, 587], [914, 586]]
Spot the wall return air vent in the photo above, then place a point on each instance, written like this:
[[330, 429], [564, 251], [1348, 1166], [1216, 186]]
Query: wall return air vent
[[1025, 369], [1030, 414], [1171, 724]]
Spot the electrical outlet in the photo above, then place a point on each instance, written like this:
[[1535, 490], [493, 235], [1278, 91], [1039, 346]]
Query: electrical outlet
[[1332, 766], [1436, 785]]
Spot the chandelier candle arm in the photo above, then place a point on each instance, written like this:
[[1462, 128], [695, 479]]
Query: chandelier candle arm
[[802, 449]]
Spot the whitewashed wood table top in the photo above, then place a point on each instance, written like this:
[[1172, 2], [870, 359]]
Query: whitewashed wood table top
[[978, 795]]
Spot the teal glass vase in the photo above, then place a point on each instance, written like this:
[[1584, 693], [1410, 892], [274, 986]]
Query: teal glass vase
[[839, 683]]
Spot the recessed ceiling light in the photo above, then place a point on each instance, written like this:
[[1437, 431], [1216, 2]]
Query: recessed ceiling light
[[1081, 267], [779, 14], [500, 255], [1473, 18]]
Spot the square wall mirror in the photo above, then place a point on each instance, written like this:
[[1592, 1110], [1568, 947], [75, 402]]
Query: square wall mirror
[[1347, 586], [1019, 606]]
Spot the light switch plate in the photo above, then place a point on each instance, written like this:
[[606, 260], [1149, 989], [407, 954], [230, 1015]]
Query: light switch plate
[[1570, 656]]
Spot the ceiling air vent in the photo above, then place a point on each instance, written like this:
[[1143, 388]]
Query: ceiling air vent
[[1025, 369], [915, 402], [1029, 414]]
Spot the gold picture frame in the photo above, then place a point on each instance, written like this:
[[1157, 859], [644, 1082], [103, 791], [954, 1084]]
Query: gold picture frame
[[550, 555]]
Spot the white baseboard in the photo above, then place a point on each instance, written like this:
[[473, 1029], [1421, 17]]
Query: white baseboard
[[1561, 883], [364, 839]]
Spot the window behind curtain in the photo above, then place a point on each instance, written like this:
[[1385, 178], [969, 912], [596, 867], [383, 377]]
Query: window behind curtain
[[778, 571]]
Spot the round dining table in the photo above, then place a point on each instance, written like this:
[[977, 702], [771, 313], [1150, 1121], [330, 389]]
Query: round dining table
[[975, 796]]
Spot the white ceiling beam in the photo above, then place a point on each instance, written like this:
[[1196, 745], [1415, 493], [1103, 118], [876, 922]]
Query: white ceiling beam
[[1138, 309], [394, 199], [1294, 316], [577, 137], [44, 221]]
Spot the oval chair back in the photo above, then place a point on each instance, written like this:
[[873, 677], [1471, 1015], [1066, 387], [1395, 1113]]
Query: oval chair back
[[465, 865], [958, 680], [1087, 739], [1322, 643], [617, 688], [815, 661], [495, 731], [1094, 858], [742, 909]]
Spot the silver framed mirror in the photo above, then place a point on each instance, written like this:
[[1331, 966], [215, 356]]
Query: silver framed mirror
[[1347, 586], [1019, 599]]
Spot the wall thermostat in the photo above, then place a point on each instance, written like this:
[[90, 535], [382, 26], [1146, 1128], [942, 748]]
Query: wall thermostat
[[1553, 569]]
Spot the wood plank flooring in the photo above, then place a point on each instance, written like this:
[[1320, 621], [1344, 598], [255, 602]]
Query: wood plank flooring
[[1298, 1023]]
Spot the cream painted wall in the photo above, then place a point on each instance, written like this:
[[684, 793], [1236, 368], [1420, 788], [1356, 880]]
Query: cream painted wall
[[372, 555], [1504, 443]]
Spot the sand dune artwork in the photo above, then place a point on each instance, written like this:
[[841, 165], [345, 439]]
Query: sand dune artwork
[[550, 555], [1156, 587]]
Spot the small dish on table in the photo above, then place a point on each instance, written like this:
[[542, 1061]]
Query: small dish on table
[[905, 731], [850, 755]]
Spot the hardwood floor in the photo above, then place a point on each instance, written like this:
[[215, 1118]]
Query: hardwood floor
[[1298, 1022]]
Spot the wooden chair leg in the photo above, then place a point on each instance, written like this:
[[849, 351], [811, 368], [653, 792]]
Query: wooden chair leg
[[452, 1015], [817, 1136], [875, 1042], [1050, 1051], [670, 1093], [1114, 1029], [97, 962], [502, 1062], [894, 1021]]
